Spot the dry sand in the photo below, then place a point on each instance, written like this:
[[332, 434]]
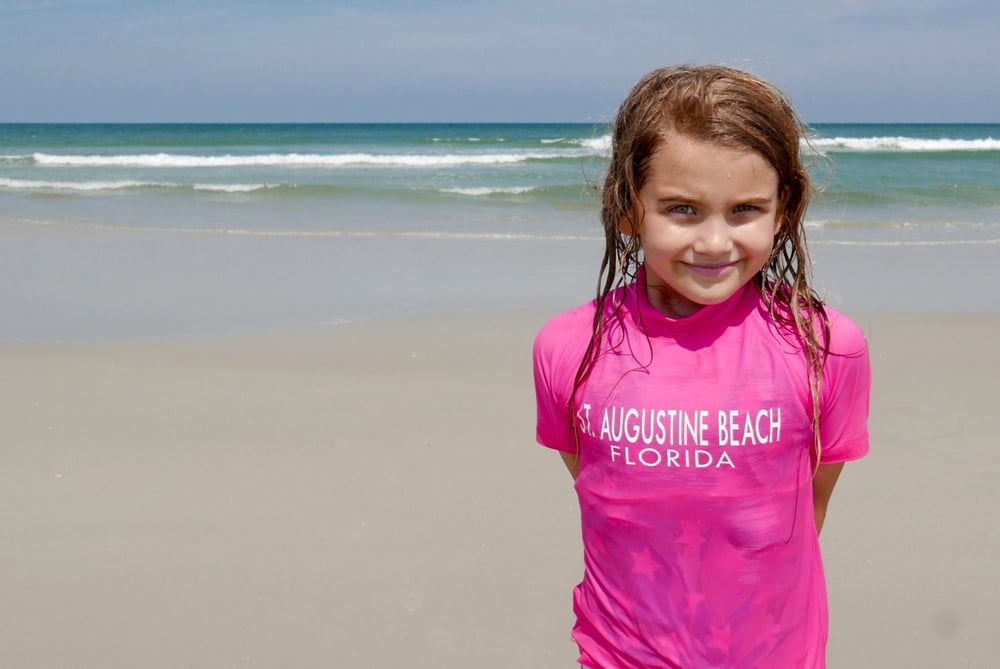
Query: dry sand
[[371, 496]]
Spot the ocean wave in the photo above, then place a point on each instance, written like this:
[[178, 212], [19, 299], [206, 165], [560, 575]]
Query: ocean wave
[[235, 188], [600, 146], [25, 184], [461, 140], [903, 144], [97, 186], [510, 190], [11, 159], [170, 160]]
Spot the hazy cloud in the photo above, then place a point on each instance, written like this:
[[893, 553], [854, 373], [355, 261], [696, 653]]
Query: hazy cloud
[[435, 60]]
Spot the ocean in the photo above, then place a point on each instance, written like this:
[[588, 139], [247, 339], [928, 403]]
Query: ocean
[[888, 183], [120, 202]]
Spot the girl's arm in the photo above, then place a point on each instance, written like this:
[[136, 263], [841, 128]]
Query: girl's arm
[[572, 463], [823, 483]]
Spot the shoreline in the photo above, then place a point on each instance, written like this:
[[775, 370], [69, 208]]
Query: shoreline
[[66, 284]]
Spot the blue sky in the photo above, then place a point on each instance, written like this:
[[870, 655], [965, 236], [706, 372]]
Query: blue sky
[[437, 60]]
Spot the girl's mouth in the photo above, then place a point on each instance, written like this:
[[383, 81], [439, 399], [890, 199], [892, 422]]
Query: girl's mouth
[[710, 270]]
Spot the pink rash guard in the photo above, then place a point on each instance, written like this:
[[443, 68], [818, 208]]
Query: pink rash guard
[[695, 483]]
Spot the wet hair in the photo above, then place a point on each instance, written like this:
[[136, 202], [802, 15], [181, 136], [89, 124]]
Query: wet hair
[[736, 110]]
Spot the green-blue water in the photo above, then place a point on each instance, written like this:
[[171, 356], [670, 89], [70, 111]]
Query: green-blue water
[[123, 231], [878, 183]]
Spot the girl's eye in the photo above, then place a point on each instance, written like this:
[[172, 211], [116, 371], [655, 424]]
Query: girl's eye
[[742, 208], [682, 209]]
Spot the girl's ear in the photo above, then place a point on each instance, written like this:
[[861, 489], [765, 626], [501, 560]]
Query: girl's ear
[[629, 224], [781, 220]]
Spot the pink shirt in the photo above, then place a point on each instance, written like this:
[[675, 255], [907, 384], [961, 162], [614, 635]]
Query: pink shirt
[[700, 546]]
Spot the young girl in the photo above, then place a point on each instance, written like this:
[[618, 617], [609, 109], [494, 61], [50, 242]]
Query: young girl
[[706, 401]]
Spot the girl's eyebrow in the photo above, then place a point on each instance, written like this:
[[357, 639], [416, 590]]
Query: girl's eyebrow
[[677, 197], [756, 200]]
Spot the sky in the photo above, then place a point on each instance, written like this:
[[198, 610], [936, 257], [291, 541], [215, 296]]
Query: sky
[[477, 61]]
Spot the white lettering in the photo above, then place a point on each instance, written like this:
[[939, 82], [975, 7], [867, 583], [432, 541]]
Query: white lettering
[[672, 413], [605, 427], [733, 418], [661, 430], [761, 436], [723, 432], [690, 429], [583, 419], [617, 426], [650, 457], [647, 436], [748, 431], [632, 434], [630, 429], [671, 457]]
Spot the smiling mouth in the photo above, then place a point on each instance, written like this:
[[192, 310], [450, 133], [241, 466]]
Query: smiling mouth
[[710, 270]]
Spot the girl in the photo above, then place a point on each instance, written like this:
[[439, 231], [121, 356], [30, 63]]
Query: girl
[[706, 401]]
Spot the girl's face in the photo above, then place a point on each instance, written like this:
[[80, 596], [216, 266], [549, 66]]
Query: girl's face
[[710, 216]]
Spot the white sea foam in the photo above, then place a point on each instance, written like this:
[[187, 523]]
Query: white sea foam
[[167, 160], [903, 144], [510, 190], [601, 144], [94, 186], [597, 146], [234, 188], [26, 184]]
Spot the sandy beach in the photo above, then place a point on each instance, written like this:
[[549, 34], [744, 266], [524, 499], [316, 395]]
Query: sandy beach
[[370, 495]]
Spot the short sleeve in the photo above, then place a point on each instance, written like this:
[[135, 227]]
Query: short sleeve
[[846, 393], [557, 353]]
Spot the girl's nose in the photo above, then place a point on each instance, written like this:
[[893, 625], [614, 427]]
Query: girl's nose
[[713, 237]]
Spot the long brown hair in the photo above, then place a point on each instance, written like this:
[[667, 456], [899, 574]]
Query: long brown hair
[[737, 110]]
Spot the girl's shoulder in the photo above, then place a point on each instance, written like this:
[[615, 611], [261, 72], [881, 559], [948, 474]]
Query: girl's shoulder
[[578, 322], [567, 334], [559, 346], [846, 338], [571, 323], [838, 331], [563, 341]]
